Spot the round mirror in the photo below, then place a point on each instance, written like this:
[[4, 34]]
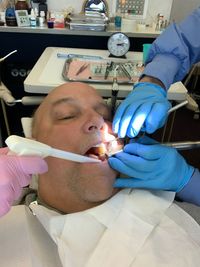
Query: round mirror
[[95, 6]]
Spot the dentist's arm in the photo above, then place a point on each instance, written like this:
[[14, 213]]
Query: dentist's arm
[[191, 192], [169, 60], [174, 52], [15, 173]]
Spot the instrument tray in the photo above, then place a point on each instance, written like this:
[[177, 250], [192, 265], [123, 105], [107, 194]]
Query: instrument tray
[[101, 70]]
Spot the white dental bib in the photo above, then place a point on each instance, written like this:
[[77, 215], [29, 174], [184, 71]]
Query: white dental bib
[[134, 228]]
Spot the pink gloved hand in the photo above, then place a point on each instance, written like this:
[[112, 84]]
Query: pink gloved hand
[[15, 173]]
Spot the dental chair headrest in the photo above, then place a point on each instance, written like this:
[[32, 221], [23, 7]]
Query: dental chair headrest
[[27, 126]]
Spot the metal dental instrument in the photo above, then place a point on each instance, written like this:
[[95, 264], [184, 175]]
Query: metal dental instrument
[[178, 106], [114, 146], [29, 100], [180, 145], [28, 147], [3, 58], [82, 68], [108, 69], [175, 107], [67, 56], [115, 90], [185, 145], [125, 71], [106, 72]]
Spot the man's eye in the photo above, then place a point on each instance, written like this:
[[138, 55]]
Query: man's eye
[[66, 117]]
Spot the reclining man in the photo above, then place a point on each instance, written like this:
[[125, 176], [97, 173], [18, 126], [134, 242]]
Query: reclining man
[[90, 222]]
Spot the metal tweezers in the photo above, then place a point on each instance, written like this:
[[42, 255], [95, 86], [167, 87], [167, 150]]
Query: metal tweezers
[[125, 71], [82, 68]]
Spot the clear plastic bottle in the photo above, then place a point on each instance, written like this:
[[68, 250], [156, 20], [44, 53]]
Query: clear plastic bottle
[[36, 16], [32, 19]]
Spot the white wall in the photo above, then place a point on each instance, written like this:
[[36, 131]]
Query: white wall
[[178, 13], [154, 7], [158, 6]]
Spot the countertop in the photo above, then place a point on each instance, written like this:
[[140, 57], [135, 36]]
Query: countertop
[[147, 32]]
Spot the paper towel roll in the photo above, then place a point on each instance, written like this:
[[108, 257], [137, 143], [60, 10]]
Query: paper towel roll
[[128, 25]]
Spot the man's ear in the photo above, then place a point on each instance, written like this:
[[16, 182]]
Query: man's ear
[[27, 126]]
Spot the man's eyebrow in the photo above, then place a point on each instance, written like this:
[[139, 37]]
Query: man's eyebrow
[[103, 105], [63, 101], [73, 100]]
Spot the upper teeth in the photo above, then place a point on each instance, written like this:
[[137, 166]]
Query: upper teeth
[[98, 145]]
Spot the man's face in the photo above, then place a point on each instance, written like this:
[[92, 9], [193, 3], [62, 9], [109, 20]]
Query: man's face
[[73, 118]]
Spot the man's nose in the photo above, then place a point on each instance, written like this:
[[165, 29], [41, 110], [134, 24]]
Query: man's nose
[[94, 122]]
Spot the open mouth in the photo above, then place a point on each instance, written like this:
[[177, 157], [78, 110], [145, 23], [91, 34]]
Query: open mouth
[[98, 152], [106, 149]]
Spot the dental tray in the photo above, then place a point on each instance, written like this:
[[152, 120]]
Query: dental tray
[[101, 70]]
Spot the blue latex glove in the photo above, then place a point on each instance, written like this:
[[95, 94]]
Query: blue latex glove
[[151, 166], [145, 107]]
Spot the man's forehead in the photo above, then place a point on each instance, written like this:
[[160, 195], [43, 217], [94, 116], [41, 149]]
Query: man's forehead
[[72, 90], [72, 93]]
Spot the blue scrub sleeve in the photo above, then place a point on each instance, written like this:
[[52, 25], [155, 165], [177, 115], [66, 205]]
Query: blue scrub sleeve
[[191, 192], [175, 50], [163, 68]]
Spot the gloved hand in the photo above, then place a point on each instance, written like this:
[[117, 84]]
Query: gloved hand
[[151, 166], [15, 173], [144, 108]]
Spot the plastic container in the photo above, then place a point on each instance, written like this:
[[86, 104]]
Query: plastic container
[[118, 20], [10, 17], [128, 25], [50, 24], [146, 48]]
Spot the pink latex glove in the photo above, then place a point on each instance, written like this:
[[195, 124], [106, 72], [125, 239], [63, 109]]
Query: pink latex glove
[[15, 173]]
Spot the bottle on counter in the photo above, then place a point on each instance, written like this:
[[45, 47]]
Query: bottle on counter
[[22, 5], [33, 19], [43, 7], [10, 17], [118, 20], [160, 22], [36, 12], [42, 18]]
